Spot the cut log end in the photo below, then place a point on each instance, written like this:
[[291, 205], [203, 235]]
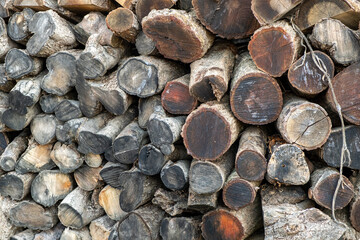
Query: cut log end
[[251, 165], [238, 193], [134, 221]]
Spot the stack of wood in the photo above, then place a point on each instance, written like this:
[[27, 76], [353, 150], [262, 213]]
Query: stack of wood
[[179, 119]]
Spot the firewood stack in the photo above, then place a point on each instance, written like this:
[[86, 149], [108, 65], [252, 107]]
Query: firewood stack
[[179, 119]]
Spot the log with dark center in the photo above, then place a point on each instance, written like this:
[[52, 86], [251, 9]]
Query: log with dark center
[[18, 63], [18, 25]]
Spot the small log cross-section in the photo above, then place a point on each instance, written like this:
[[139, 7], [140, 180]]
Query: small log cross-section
[[210, 75], [255, 97], [306, 78], [250, 162], [176, 98], [346, 90], [275, 47], [18, 25], [169, 26], [124, 23], [304, 123], [330, 33], [287, 165], [223, 223], [66, 157], [323, 185], [15, 185], [143, 223], [180, 228], [51, 34], [144, 76], [43, 128], [145, 45], [210, 130], [175, 175], [19, 64], [16, 121], [73, 234], [5, 42], [232, 19], [238, 193]]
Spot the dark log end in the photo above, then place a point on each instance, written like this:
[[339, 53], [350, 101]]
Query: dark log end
[[176, 98], [238, 193], [69, 216], [151, 160], [201, 173], [251, 166], [93, 143], [126, 149], [12, 186], [355, 215], [90, 67], [204, 89], [134, 227], [18, 64], [131, 196], [173, 177], [144, 7]]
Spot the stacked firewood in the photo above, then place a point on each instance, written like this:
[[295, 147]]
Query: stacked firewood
[[179, 119]]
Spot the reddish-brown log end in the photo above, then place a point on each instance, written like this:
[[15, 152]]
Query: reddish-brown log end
[[238, 193]]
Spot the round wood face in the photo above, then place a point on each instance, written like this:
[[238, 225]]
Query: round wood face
[[231, 19], [238, 193], [251, 166], [176, 99], [355, 215], [272, 50]]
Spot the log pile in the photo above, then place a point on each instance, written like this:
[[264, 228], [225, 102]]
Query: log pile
[[179, 119]]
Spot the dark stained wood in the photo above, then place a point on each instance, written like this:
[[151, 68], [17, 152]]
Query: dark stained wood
[[168, 26], [175, 175], [87, 178], [143, 7], [202, 202], [127, 144], [16, 121], [6, 43], [48, 102], [323, 185], [146, 107], [18, 25], [210, 130], [226, 22], [274, 48], [124, 23], [43, 128], [16, 186], [67, 133], [66, 157], [19, 64], [6, 84], [109, 200], [13, 150], [67, 110], [129, 4], [110, 173], [173, 203], [274, 195], [255, 97], [176, 98], [185, 4], [145, 45], [345, 89], [210, 75], [180, 228], [306, 78], [50, 186], [89, 104]]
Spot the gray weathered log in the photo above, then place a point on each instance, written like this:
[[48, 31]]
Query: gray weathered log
[[43, 128], [202, 202], [16, 185], [51, 234], [110, 173], [10, 156], [145, 45], [49, 102], [87, 178], [67, 110], [172, 202], [109, 201], [16, 121], [66, 157], [67, 133], [74, 234], [18, 64], [146, 107], [175, 175], [101, 227], [27, 234], [5, 42], [18, 25], [180, 228]]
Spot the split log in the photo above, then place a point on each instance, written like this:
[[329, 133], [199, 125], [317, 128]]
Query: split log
[[325, 36], [67, 110], [92, 23], [250, 162], [303, 123], [164, 130], [77, 210], [18, 25], [255, 97], [127, 144], [72, 234], [67, 133], [87, 178], [66, 157], [144, 76], [6, 43], [176, 98], [138, 189], [5, 82], [210, 130], [175, 175], [151, 159], [43, 128], [210, 75], [172, 202], [275, 47], [232, 224], [19, 64], [57, 37], [4, 106], [266, 12], [36, 158], [323, 185], [238, 193], [145, 45], [49, 102], [101, 227], [97, 141], [345, 88], [27, 234], [51, 234], [331, 150], [144, 7], [96, 59], [180, 228], [123, 23], [306, 78], [15, 185], [311, 12], [110, 173], [109, 201], [12, 152], [227, 23], [50, 186], [167, 26], [143, 223], [106, 90], [207, 177], [202, 202], [287, 165], [89, 104], [87, 5], [93, 160], [32, 215], [146, 107], [62, 74]]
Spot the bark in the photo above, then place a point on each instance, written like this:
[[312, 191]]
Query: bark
[[180, 228], [202, 202], [173, 203]]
